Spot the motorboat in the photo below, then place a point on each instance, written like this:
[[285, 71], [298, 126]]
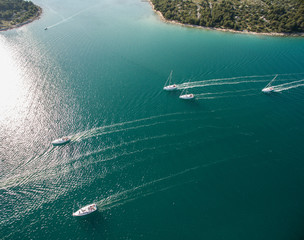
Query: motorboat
[[187, 96], [170, 86], [46, 28], [61, 141], [85, 210]]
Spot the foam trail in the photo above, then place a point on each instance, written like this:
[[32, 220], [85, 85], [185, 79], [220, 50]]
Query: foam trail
[[253, 76], [111, 204], [214, 83], [227, 96], [286, 86], [227, 79], [221, 81], [47, 171], [143, 190], [100, 130], [69, 18], [96, 133], [221, 93]]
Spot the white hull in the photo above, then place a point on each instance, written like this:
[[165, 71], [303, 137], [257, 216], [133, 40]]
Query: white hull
[[85, 210], [170, 87], [61, 141], [186, 96], [267, 90]]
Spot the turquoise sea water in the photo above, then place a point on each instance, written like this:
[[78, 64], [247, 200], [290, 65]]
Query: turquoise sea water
[[228, 165]]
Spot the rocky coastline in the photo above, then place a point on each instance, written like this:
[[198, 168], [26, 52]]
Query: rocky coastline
[[222, 29], [13, 26]]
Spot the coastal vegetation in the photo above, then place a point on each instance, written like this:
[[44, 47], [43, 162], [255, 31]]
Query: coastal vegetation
[[17, 12], [262, 16]]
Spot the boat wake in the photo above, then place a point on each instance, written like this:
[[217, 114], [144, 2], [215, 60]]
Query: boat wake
[[224, 81], [227, 94], [287, 86], [126, 126], [242, 86], [45, 165], [152, 187], [71, 17]]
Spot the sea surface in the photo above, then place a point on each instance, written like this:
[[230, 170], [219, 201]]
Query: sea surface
[[227, 165]]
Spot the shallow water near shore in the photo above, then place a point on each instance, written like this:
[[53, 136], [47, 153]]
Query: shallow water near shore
[[228, 165]]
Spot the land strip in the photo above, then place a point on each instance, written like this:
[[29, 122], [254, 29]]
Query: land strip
[[16, 13], [280, 18]]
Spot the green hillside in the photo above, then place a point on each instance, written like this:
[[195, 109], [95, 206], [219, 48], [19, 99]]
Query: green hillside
[[16, 12], [265, 16]]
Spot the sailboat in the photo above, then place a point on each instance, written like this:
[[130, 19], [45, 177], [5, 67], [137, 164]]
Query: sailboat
[[170, 86], [268, 87], [85, 210], [61, 141], [185, 95]]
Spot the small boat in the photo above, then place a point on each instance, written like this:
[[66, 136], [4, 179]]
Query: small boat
[[186, 95], [269, 88], [85, 210], [46, 28], [170, 86], [61, 141]]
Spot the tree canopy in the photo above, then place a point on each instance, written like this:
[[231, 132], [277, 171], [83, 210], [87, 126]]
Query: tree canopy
[[265, 16], [14, 12]]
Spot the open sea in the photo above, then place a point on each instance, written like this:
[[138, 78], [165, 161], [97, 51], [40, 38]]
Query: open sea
[[227, 165]]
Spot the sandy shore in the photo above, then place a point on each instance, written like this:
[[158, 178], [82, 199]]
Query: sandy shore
[[39, 13], [222, 29]]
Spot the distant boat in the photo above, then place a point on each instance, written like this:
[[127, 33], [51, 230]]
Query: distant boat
[[185, 95], [170, 86], [61, 141], [269, 88], [46, 28], [85, 210]]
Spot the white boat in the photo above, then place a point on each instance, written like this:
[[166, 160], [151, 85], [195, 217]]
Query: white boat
[[185, 95], [269, 88], [85, 210], [46, 28], [170, 86], [61, 141]]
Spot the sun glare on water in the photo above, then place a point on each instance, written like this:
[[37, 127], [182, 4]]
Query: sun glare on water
[[12, 91]]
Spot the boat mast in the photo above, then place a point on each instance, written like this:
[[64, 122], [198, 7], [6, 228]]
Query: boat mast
[[268, 85], [169, 79], [185, 89]]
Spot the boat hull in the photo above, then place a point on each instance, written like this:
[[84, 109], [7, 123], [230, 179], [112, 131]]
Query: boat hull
[[170, 88], [186, 96], [267, 90], [86, 210], [61, 141]]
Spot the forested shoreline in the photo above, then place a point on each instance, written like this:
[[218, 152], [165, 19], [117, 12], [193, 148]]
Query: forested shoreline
[[260, 16], [14, 13]]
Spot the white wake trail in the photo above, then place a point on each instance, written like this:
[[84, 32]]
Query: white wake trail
[[287, 86], [70, 17]]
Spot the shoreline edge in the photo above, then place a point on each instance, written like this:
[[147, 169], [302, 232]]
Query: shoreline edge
[[161, 16], [38, 15]]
